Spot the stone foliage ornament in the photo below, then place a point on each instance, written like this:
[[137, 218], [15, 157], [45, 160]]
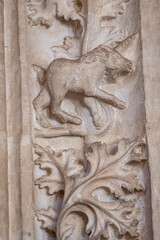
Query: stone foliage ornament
[[43, 12], [83, 94], [75, 48], [97, 199]]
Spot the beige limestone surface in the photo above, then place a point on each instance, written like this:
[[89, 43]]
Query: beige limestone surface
[[79, 120]]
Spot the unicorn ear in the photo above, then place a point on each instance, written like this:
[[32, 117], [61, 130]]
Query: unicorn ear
[[97, 54], [127, 47], [93, 57]]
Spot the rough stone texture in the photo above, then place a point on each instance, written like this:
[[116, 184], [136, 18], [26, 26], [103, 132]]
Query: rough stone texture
[[151, 61], [27, 204], [94, 112], [13, 113], [3, 138], [90, 144]]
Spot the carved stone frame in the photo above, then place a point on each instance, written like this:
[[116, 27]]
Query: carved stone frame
[[151, 50], [16, 177]]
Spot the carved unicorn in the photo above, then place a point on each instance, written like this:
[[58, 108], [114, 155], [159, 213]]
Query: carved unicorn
[[83, 76]]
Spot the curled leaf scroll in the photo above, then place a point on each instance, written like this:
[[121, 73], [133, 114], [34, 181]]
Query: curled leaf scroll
[[102, 197], [43, 12], [110, 169]]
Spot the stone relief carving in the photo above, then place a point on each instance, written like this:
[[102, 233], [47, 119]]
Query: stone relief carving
[[107, 65], [80, 14], [64, 75], [74, 48], [98, 202], [43, 12], [99, 190]]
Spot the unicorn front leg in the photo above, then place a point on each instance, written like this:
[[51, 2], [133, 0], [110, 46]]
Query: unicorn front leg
[[106, 97]]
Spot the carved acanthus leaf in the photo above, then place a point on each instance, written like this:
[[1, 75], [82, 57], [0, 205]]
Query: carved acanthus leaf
[[43, 12], [48, 217], [58, 166], [70, 49], [110, 173], [101, 15], [113, 8], [111, 170]]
